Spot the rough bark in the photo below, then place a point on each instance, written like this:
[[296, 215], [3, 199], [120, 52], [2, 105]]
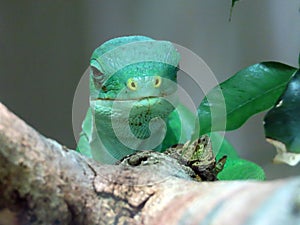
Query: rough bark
[[43, 182]]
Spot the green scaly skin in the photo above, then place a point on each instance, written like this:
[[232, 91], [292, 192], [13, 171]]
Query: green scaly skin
[[132, 82]]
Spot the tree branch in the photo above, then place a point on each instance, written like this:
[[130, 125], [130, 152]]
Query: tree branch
[[43, 182]]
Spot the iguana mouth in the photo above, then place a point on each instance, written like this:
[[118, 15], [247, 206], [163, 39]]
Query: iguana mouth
[[129, 99]]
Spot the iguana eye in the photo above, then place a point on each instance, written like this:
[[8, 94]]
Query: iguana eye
[[132, 84], [98, 77], [157, 81], [96, 72]]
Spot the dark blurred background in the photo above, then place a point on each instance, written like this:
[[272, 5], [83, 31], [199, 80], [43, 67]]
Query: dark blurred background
[[45, 48]]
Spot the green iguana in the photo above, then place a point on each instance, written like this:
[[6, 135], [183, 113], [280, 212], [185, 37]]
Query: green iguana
[[133, 100]]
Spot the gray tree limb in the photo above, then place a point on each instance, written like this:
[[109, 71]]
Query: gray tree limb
[[43, 182]]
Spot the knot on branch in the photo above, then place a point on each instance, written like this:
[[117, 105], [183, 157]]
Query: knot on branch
[[194, 158]]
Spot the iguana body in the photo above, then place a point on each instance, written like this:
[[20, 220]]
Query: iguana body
[[133, 84]]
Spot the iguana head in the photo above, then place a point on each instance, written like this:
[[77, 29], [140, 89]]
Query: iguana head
[[132, 88], [133, 68]]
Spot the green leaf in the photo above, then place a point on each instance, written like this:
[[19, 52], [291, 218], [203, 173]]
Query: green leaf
[[240, 169], [251, 90], [282, 123]]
